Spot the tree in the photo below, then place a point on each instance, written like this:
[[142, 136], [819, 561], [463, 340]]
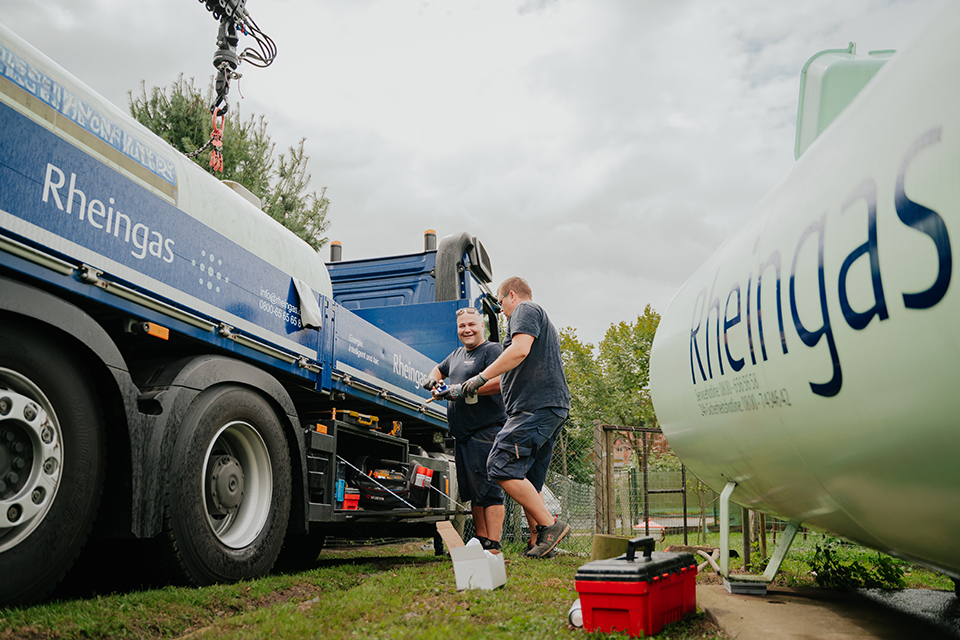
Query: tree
[[613, 384], [624, 361], [583, 379], [180, 116], [610, 385]]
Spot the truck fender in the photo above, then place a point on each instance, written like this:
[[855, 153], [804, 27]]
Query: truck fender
[[75, 324], [70, 325], [167, 395]]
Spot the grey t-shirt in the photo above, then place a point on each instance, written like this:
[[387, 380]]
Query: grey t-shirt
[[537, 382], [461, 365]]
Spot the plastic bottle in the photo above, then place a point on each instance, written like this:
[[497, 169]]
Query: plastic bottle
[[340, 485], [575, 616]]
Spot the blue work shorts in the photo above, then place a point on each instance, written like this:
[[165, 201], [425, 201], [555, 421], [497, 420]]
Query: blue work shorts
[[470, 457], [524, 446]]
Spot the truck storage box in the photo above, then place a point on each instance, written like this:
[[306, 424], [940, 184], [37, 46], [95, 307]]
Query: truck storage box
[[638, 596], [356, 419]]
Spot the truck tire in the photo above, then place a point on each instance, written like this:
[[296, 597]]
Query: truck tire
[[51, 463], [227, 502]]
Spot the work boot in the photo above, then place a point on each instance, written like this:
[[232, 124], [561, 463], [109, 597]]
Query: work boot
[[548, 537]]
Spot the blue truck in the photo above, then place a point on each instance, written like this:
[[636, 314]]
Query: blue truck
[[176, 366]]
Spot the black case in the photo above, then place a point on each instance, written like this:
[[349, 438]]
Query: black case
[[384, 493]]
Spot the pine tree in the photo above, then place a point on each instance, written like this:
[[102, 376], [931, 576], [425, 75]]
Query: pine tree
[[181, 117]]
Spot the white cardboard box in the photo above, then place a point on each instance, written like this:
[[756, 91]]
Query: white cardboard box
[[473, 567]]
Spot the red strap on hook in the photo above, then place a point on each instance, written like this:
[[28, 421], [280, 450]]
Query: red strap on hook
[[216, 140]]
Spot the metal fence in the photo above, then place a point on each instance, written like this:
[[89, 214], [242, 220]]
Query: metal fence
[[611, 480]]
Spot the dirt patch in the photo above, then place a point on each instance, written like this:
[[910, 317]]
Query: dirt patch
[[302, 591], [25, 633], [407, 547], [703, 627], [709, 576]]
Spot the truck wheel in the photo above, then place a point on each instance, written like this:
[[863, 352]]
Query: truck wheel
[[228, 494], [51, 464]]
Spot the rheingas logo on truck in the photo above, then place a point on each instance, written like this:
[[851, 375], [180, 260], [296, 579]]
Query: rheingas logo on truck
[[104, 213]]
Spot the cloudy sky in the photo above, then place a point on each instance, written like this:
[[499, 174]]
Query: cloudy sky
[[602, 149]]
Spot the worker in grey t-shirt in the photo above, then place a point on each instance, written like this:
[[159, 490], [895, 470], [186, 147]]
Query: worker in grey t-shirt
[[537, 400], [475, 424]]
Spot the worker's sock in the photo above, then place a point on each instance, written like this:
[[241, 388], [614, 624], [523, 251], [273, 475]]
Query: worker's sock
[[490, 545]]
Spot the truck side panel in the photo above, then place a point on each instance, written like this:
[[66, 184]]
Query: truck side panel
[[57, 194]]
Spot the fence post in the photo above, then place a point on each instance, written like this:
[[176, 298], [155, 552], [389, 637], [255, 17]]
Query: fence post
[[683, 485], [762, 522], [646, 486], [611, 490], [610, 503], [598, 479], [745, 521], [565, 497]]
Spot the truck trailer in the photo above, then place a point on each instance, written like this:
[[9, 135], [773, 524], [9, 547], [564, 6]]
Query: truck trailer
[[176, 366]]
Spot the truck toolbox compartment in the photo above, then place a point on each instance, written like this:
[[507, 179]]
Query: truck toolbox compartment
[[357, 419], [383, 484]]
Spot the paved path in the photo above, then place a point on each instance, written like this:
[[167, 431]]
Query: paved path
[[825, 614]]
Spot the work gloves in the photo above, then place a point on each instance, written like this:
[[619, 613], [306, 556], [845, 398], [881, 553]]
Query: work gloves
[[471, 386], [452, 392], [455, 391]]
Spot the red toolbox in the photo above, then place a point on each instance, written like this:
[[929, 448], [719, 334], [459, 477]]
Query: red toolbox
[[638, 596], [351, 499]]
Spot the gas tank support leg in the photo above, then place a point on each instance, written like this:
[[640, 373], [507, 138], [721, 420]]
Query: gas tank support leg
[[749, 584], [725, 529]]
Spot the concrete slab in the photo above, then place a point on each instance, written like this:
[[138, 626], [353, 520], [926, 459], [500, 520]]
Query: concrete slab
[[824, 614]]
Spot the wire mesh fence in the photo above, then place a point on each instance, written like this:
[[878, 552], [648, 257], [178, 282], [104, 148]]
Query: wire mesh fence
[[618, 481]]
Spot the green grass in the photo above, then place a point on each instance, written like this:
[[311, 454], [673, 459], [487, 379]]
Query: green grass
[[393, 591], [375, 592]]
